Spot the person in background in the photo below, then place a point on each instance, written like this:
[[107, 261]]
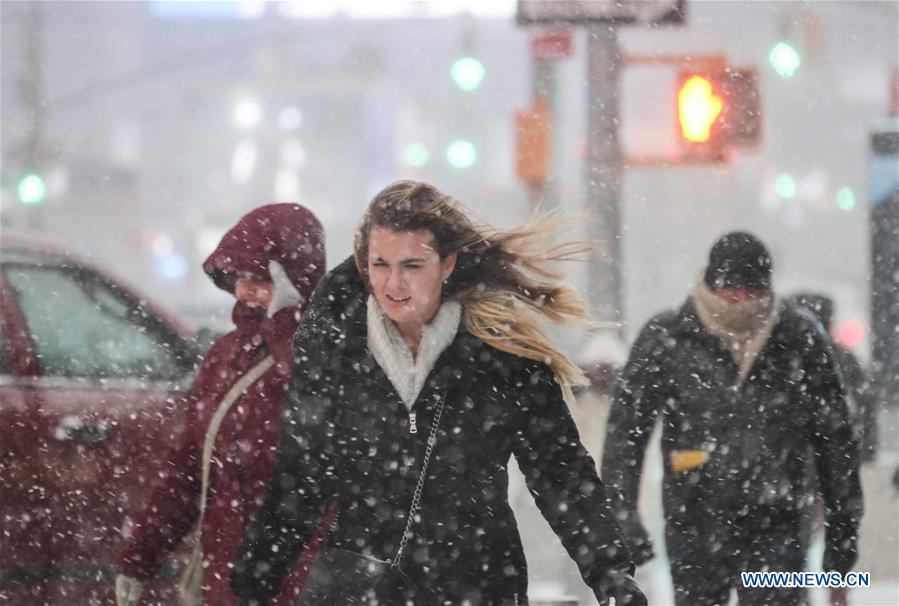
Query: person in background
[[422, 369], [863, 406], [749, 395], [271, 261]]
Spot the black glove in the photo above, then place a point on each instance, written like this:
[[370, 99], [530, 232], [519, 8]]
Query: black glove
[[622, 587], [637, 540]]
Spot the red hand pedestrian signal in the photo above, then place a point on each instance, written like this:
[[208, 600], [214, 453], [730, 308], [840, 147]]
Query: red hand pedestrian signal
[[698, 107]]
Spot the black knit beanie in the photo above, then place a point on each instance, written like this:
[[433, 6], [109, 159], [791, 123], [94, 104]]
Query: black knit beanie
[[739, 260]]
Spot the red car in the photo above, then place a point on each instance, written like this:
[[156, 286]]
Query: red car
[[91, 378]]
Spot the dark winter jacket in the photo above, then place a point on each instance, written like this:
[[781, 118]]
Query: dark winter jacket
[[863, 404], [244, 449], [348, 439], [760, 437]]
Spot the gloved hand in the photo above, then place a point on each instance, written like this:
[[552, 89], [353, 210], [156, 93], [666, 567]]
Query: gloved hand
[[127, 590], [637, 539], [621, 586]]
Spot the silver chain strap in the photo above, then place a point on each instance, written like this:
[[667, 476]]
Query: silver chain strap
[[416, 497]]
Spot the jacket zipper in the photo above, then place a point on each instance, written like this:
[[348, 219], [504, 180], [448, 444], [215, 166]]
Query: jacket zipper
[[413, 428]]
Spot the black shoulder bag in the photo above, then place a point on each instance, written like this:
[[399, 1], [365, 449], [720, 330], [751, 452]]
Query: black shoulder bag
[[340, 577]]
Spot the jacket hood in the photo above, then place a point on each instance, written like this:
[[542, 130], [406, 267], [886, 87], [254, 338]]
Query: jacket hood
[[336, 319], [264, 242]]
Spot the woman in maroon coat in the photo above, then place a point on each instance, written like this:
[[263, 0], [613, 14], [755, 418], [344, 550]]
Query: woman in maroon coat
[[271, 261]]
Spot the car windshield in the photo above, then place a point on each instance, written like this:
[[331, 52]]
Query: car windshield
[[82, 328]]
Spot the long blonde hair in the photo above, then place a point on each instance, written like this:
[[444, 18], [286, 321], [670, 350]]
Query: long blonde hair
[[502, 278]]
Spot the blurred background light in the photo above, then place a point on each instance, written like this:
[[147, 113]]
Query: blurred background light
[[850, 333], [32, 189], [247, 114], [416, 154], [461, 154], [784, 59], [467, 73], [172, 266], [785, 186], [845, 199]]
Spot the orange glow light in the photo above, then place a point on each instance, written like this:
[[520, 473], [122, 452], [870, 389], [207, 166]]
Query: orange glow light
[[697, 109]]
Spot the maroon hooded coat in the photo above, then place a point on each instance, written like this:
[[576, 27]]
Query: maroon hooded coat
[[245, 445]]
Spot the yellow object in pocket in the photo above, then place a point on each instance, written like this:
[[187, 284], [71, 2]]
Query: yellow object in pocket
[[683, 460]]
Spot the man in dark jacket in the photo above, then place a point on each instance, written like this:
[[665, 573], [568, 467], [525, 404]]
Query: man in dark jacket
[[862, 403], [749, 398]]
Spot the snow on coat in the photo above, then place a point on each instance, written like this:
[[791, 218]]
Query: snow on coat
[[736, 453], [349, 439]]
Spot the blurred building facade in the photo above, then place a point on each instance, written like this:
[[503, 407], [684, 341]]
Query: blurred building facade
[[163, 121]]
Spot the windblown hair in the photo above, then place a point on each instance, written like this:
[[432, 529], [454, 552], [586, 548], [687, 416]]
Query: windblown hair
[[502, 278]]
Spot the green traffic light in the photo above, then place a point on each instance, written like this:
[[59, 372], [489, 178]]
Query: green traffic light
[[461, 154], [845, 199], [785, 186], [32, 189], [467, 73], [784, 59]]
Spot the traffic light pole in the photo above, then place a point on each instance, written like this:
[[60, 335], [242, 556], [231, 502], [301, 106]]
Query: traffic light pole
[[545, 196], [603, 177]]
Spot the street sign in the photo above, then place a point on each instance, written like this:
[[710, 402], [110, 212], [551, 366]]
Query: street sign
[[551, 45], [619, 12]]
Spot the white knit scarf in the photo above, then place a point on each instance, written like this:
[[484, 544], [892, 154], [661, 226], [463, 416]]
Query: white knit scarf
[[744, 327], [406, 372]]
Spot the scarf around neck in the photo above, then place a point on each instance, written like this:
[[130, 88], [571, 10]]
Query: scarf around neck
[[744, 327], [407, 373]]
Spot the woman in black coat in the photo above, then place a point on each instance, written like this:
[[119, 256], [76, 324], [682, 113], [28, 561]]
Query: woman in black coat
[[430, 330]]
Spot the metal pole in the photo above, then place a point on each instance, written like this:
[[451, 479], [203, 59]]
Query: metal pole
[[603, 176], [546, 89]]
